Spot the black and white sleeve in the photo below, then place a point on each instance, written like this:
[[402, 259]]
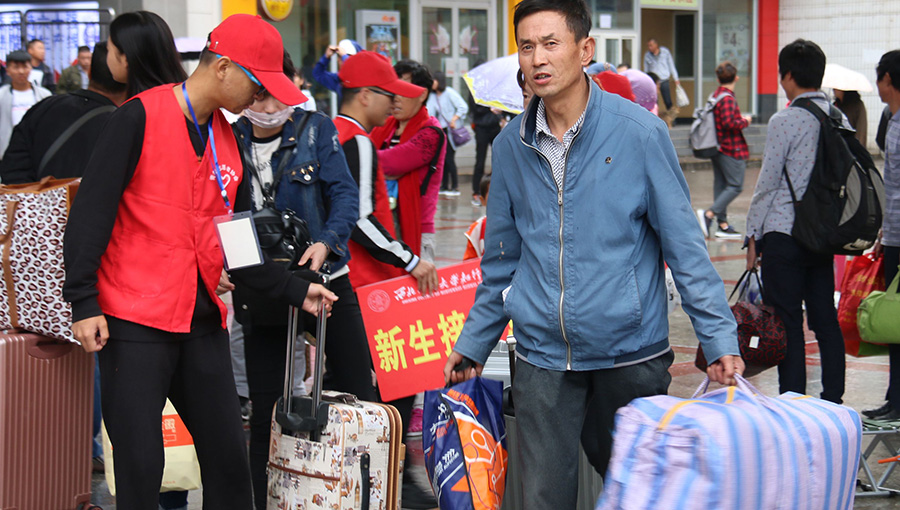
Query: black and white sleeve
[[369, 232]]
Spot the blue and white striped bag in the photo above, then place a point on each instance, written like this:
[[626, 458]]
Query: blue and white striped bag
[[733, 448]]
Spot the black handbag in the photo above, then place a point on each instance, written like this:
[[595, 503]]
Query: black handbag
[[283, 236]]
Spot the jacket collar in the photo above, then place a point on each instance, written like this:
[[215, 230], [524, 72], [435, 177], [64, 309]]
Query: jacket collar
[[93, 96], [528, 127]]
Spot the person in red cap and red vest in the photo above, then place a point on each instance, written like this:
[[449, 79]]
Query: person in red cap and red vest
[[143, 262], [369, 85]]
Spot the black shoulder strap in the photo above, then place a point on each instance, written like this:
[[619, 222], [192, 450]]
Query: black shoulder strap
[[269, 198], [432, 165], [64, 137]]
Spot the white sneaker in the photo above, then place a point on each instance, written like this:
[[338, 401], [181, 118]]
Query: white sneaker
[[476, 202], [453, 193]]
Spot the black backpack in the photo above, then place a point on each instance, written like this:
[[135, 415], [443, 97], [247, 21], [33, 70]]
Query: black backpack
[[841, 210]]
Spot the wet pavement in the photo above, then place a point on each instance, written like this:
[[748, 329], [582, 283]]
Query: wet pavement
[[866, 378]]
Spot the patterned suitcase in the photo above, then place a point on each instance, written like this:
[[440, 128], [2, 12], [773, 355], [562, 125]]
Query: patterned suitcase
[[733, 448], [330, 450], [46, 404]]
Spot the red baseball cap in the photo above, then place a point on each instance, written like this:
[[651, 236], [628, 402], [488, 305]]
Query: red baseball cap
[[615, 83], [256, 45], [370, 69]]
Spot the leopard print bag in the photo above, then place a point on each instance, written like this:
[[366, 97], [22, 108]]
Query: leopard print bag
[[32, 222]]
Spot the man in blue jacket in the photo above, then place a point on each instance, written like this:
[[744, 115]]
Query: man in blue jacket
[[587, 201]]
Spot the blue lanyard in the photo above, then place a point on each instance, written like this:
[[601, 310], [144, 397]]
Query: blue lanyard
[[212, 143]]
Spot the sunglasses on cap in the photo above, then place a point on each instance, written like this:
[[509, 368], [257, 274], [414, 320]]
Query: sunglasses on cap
[[262, 89]]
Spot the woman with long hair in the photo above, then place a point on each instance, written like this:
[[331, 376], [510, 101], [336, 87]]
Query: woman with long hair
[[142, 52], [142, 55]]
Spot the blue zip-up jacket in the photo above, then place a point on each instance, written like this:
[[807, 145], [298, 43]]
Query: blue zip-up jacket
[[316, 183], [584, 264]]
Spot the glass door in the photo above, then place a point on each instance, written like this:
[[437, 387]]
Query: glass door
[[455, 38]]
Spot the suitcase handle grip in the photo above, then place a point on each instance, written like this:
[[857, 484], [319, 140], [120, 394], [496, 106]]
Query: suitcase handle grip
[[45, 348]]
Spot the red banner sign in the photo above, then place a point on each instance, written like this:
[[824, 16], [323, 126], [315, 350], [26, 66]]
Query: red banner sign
[[412, 335]]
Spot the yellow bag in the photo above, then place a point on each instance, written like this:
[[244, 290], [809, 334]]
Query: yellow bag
[[182, 471]]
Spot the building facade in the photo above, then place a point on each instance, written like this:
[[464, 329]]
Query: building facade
[[455, 35]]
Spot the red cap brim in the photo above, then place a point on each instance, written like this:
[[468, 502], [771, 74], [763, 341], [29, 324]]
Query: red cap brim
[[403, 88], [280, 86]]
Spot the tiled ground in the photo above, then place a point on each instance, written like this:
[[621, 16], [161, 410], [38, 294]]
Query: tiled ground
[[866, 378]]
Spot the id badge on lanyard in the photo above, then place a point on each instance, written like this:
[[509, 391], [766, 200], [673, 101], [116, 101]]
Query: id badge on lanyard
[[236, 232], [237, 237]]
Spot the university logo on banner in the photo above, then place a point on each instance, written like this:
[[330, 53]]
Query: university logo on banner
[[411, 335]]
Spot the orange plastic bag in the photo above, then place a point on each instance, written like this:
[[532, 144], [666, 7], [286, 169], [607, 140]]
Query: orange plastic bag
[[863, 275]]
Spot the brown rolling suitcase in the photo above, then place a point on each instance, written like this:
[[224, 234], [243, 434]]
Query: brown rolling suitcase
[[331, 450], [46, 399]]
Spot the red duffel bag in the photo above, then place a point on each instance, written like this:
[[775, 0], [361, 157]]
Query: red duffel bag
[[761, 335]]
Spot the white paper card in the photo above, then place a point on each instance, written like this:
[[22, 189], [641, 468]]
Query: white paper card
[[239, 244], [754, 342]]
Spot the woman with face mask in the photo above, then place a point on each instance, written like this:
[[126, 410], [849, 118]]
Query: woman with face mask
[[295, 163]]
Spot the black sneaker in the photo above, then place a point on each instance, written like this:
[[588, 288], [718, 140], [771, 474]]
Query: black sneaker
[[871, 413], [728, 233], [892, 415], [705, 223]]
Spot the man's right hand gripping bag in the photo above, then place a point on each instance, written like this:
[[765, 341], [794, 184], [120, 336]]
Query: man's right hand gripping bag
[[733, 448]]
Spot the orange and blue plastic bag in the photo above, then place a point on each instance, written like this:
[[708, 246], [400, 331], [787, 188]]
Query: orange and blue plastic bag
[[464, 439]]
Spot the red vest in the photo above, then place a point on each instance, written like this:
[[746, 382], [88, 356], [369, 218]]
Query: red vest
[[365, 269], [164, 232]]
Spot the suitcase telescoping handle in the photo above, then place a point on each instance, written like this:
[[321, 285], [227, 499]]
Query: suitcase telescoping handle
[[304, 414]]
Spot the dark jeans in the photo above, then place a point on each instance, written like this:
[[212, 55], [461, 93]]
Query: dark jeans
[[891, 260], [484, 138], [728, 182], [666, 94], [196, 375], [791, 276], [450, 180], [349, 369], [555, 410]]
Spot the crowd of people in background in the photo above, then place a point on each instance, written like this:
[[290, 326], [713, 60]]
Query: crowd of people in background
[[369, 203]]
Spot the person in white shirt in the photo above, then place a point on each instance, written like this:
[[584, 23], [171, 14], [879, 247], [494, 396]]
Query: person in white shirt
[[17, 97]]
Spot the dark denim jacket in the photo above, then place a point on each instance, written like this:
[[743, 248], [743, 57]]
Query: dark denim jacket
[[315, 183]]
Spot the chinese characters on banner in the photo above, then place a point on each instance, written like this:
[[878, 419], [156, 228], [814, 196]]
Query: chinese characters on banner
[[412, 335]]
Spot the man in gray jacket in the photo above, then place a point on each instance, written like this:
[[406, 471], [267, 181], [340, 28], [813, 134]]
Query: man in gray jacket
[[17, 96], [587, 201]]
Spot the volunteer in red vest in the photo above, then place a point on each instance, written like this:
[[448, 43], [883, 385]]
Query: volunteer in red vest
[[369, 85], [144, 256]]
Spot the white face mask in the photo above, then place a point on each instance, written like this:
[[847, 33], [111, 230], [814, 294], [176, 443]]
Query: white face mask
[[268, 120]]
